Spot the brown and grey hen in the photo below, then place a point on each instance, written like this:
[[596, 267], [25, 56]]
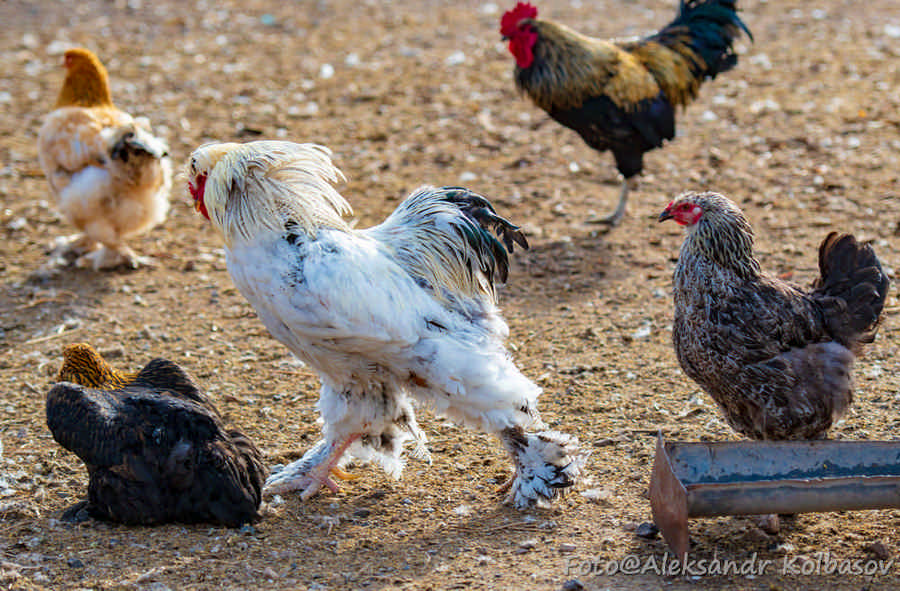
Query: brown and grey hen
[[776, 358], [155, 447]]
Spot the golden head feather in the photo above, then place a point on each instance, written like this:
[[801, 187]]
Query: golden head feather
[[86, 83], [83, 365]]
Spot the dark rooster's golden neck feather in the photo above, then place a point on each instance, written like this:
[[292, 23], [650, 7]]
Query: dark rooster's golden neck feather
[[82, 365], [722, 235], [86, 83], [569, 67]]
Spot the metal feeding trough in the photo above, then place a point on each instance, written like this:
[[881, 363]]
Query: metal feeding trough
[[763, 477]]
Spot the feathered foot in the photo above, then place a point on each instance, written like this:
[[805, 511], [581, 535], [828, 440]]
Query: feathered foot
[[63, 252], [615, 217], [546, 463], [109, 258], [67, 248], [312, 471]]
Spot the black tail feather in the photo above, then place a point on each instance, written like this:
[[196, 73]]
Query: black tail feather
[[480, 211], [130, 143], [707, 28], [853, 288]]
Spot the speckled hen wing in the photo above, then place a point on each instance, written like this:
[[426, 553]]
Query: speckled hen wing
[[762, 352]]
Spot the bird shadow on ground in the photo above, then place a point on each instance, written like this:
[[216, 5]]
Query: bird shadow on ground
[[568, 269], [48, 306]]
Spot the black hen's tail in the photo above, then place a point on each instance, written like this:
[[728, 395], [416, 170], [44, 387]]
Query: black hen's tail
[[852, 289]]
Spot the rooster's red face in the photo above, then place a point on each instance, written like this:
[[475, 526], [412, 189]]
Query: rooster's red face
[[685, 213], [197, 187], [516, 26]]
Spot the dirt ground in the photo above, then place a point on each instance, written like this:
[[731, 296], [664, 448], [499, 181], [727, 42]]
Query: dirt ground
[[803, 134]]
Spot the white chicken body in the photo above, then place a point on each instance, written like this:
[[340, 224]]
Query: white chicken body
[[344, 306], [383, 315]]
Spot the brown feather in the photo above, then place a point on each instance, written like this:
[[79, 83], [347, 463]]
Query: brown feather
[[574, 67], [86, 83], [83, 365], [777, 358], [671, 69]]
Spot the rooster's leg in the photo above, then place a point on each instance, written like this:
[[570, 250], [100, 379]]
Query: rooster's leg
[[312, 471], [615, 217]]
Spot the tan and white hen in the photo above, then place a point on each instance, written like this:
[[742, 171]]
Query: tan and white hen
[[111, 177]]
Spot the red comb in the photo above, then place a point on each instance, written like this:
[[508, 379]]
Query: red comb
[[512, 17]]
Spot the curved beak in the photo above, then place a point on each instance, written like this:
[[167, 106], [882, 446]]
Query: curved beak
[[665, 215]]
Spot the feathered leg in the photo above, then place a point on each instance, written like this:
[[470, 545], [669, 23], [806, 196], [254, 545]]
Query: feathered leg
[[311, 472], [545, 462], [107, 257]]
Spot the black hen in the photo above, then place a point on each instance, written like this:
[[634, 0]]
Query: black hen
[[156, 451]]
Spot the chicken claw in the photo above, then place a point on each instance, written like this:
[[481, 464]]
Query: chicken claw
[[340, 474], [311, 472]]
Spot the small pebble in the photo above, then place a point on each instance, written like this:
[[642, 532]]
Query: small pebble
[[601, 496], [878, 549], [75, 563], [456, 58], [567, 547], [647, 530], [572, 585], [363, 513]]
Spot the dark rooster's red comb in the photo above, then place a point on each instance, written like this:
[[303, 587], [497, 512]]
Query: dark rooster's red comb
[[512, 17]]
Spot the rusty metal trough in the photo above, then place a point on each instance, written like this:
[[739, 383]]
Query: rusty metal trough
[[763, 477]]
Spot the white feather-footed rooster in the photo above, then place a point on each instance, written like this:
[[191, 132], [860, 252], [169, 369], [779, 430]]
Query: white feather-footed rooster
[[403, 310]]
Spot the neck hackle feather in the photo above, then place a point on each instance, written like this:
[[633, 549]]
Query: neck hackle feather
[[86, 83], [722, 235], [84, 366], [264, 186]]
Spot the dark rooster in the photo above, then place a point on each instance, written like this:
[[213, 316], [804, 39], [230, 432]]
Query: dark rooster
[[155, 447], [621, 96], [775, 357]]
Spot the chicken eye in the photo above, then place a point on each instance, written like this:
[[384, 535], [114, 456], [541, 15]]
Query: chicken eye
[[193, 166]]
